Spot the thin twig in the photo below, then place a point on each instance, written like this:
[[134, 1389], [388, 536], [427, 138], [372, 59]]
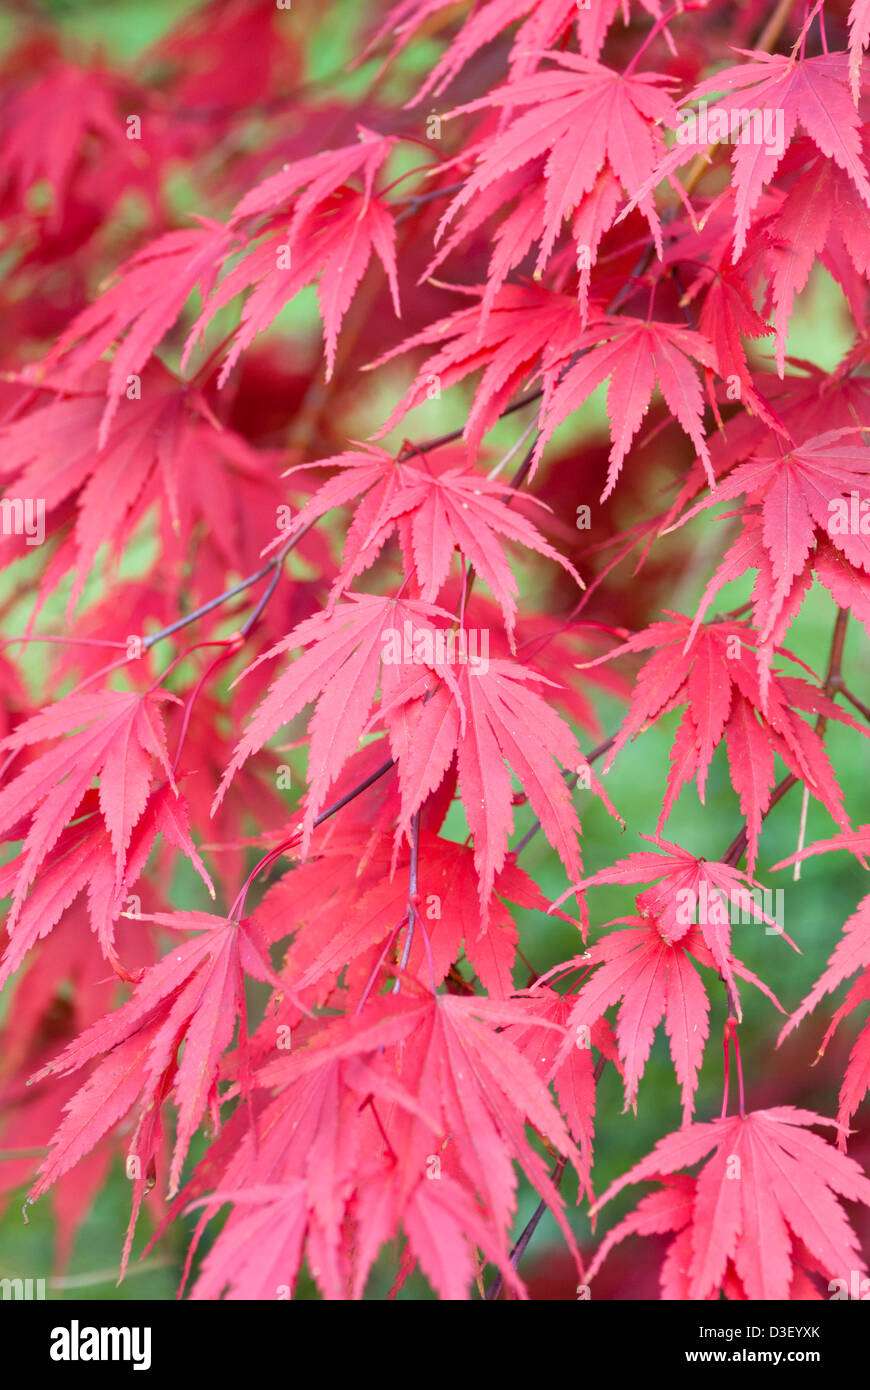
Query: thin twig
[[273, 564]]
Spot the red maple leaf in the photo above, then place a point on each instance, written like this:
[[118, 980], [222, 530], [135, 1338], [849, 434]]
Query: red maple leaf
[[669, 1210], [437, 508], [137, 312], [480, 1090], [812, 93], [801, 492], [332, 246], [120, 736], [708, 669], [194, 996], [164, 444], [653, 978], [619, 114], [83, 861], [692, 891], [769, 1182], [348, 657], [634, 355], [493, 722], [454, 1115]]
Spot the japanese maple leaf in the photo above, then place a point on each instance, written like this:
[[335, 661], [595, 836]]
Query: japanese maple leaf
[[669, 1210], [820, 218], [544, 22], [437, 510], [333, 246], [310, 1139], [691, 890], [364, 889], [527, 331], [194, 996], [320, 176], [45, 130], [506, 724], [164, 445], [454, 1096], [680, 872], [798, 491], [260, 1248], [617, 112], [536, 163], [83, 861], [139, 309], [812, 93], [341, 670], [635, 355], [773, 607], [654, 979], [770, 1182], [708, 669], [114, 735], [462, 1071]]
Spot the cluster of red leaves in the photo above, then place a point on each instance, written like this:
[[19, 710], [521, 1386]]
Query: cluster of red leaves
[[356, 1035]]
